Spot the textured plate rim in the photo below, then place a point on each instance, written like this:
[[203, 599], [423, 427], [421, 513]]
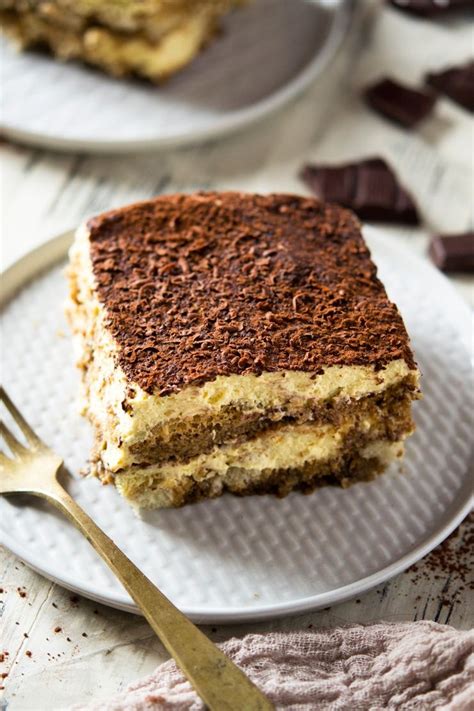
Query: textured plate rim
[[39, 260], [227, 124]]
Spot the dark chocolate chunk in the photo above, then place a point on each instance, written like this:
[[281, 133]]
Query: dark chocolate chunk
[[453, 253], [400, 103], [431, 8], [368, 187], [457, 83]]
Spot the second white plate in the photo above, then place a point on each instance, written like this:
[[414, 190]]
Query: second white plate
[[267, 53], [244, 559]]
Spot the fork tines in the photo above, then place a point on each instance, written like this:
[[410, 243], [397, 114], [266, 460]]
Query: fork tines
[[11, 441]]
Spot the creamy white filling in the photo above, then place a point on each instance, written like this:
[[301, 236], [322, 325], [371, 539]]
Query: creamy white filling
[[247, 463], [173, 51], [292, 445]]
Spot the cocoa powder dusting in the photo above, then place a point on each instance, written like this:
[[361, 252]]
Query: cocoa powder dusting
[[197, 286], [453, 558]]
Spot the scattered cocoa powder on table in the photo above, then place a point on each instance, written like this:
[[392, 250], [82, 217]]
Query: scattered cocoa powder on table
[[452, 558]]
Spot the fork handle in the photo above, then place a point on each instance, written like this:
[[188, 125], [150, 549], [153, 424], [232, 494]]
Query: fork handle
[[217, 680]]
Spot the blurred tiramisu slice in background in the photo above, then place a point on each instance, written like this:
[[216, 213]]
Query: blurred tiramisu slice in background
[[148, 38]]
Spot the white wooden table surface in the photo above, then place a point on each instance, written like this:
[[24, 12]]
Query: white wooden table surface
[[57, 649]]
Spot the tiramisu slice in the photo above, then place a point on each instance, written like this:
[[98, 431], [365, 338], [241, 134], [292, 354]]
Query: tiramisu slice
[[152, 39], [236, 342]]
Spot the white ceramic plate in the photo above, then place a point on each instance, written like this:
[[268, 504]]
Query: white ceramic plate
[[236, 559], [268, 53]]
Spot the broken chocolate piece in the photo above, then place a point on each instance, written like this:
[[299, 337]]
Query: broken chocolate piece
[[457, 83], [453, 253], [368, 187], [400, 103], [430, 8]]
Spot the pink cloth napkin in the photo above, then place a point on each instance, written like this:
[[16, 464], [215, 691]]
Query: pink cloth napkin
[[416, 665]]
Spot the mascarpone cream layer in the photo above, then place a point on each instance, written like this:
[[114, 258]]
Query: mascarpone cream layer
[[173, 51], [296, 444]]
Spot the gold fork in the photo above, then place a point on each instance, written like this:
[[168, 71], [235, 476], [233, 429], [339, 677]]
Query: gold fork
[[219, 683]]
